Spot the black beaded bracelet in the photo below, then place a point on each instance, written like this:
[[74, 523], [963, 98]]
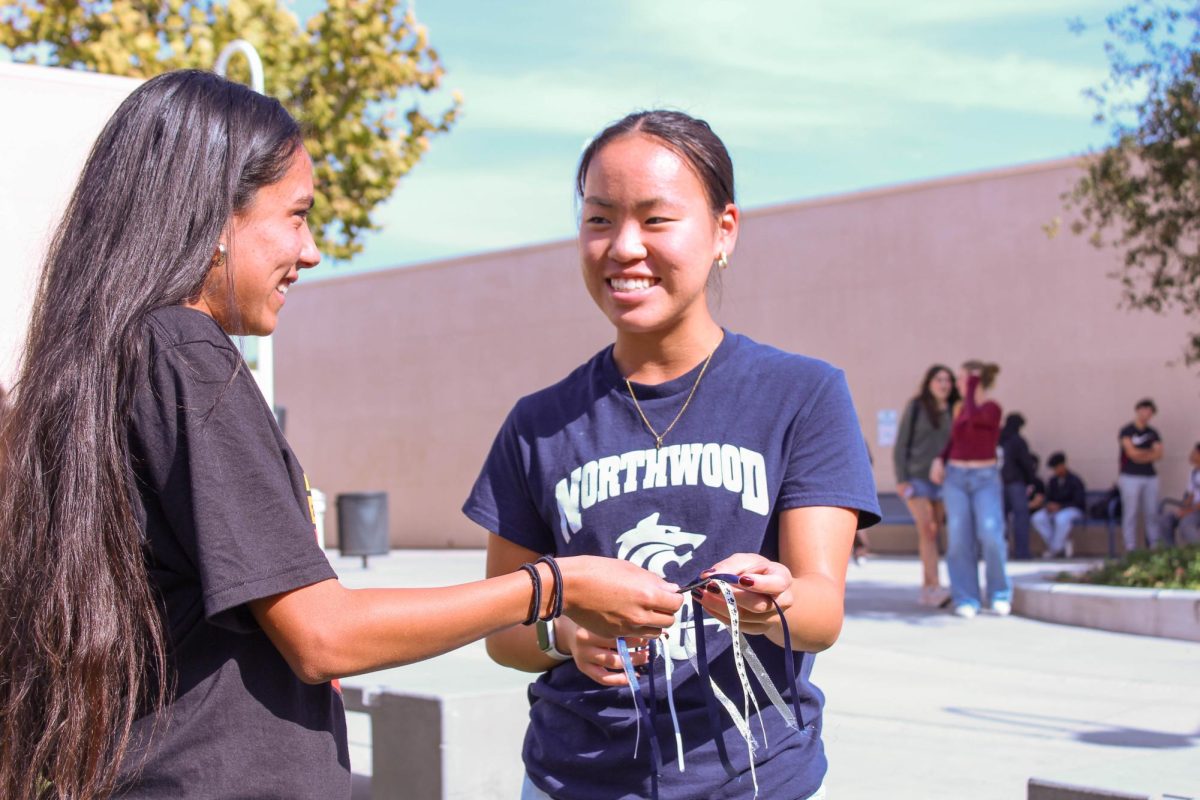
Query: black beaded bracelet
[[536, 606], [556, 599]]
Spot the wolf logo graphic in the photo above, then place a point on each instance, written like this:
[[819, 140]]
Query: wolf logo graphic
[[653, 546]]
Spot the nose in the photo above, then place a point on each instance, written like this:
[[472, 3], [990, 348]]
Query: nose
[[310, 256], [627, 244]]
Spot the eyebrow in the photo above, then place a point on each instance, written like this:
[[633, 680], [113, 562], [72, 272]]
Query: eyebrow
[[305, 200], [641, 205]]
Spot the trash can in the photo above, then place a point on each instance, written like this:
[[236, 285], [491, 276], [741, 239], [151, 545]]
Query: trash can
[[363, 524]]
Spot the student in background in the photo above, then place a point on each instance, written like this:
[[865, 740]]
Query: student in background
[[1181, 523], [974, 498], [1018, 473], [1141, 447], [924, 431], [1066, 503]]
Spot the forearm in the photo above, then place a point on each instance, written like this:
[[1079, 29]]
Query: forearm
[[516, 647], [815, 618], [330, 631]]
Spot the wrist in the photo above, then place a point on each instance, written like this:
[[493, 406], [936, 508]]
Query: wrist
[[573, 569]]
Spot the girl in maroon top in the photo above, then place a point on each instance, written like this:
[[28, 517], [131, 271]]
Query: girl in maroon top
[[974, 497]]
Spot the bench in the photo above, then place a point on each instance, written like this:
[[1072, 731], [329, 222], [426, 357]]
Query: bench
[[894, 513], [1110, 521]]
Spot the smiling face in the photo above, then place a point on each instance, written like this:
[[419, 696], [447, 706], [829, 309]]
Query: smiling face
[[269, 243], [648, 236]]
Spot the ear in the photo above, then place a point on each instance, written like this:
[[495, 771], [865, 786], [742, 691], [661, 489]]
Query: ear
[[727, 229]]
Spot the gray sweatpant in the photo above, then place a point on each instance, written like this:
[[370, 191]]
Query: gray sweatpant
[[1138, 491]]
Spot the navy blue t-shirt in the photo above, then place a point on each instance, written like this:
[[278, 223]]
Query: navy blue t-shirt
[[573, 471]]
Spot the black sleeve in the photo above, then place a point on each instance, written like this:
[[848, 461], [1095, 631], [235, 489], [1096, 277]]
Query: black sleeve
[[227, 483]]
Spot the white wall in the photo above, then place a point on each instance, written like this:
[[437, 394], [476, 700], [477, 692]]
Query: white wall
[[50, 117]]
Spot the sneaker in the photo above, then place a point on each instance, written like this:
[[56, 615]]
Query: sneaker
[[965, 610], [1001, 608], [1068, 549], [934, 596]]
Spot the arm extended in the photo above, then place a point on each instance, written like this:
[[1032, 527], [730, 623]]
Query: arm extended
[[326, 631]]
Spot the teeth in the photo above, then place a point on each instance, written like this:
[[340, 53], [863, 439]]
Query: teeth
[[629, 284], [283, 288]]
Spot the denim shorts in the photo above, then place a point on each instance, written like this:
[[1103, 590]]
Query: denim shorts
[[926, 489]]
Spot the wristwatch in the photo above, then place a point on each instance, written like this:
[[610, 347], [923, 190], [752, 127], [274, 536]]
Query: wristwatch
[[546, 641]]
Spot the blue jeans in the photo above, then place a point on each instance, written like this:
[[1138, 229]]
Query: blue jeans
[[975, 524]]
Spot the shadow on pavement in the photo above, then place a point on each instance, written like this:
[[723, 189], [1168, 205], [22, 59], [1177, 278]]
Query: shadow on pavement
[[886, 601], [1088, 731]]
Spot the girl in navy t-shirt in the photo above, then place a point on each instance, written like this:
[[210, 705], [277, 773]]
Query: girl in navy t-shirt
[[682, 448]]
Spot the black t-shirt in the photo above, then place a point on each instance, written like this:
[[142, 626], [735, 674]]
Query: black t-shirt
[[227, 520], [1142, 440]]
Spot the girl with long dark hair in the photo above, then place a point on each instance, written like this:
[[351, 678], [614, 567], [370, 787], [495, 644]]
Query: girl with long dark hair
[[170, 625], [924, 431], [691, 450]]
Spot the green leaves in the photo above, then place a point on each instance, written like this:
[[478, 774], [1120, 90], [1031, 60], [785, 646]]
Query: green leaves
[[1163, 568], [1142, 194], [342, 75]]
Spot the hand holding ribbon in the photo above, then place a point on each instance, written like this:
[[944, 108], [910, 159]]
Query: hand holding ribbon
[[759, 582]]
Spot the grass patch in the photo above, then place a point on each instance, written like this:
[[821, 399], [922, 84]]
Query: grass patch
[[1166, 568]]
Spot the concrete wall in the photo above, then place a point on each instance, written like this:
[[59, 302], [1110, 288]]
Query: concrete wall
[[398, 380], [50, 119]]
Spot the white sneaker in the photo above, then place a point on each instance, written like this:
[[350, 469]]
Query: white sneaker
[[965, 610], [1001, 608], [1069, 549]]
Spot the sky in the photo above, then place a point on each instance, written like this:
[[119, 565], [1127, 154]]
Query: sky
[[812, 97]]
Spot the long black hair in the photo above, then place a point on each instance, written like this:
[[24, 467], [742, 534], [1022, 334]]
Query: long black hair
[[82, 650], [929, 402]]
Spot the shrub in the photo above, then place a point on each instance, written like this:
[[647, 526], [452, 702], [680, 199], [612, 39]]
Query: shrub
[[1165, 568]]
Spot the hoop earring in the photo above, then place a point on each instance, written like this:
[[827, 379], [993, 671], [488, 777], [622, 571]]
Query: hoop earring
[[723, 261]]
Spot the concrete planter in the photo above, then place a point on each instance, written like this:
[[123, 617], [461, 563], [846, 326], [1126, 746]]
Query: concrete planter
[[1168, 613]]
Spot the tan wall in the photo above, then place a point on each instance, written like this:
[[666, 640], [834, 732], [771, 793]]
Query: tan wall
[[50, 119], [398, 380]]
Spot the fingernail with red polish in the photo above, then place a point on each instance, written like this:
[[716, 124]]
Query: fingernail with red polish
[[697, 594], [712, 587], [707, 572], [746, 580]]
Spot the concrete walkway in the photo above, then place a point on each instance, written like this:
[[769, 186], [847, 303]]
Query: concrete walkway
[[923, 705]]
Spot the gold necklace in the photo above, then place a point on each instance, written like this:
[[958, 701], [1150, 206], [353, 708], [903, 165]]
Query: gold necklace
[[658, 437]]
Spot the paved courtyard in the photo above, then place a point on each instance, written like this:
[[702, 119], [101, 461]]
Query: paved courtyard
[[922, 704]]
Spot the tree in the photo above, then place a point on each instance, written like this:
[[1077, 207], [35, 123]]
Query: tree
[[341, 76], [1141, 194]]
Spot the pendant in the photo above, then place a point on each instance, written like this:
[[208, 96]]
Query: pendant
[[658, 442]]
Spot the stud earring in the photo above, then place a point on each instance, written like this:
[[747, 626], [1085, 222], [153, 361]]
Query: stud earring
[[220, 258], [723, 261]]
